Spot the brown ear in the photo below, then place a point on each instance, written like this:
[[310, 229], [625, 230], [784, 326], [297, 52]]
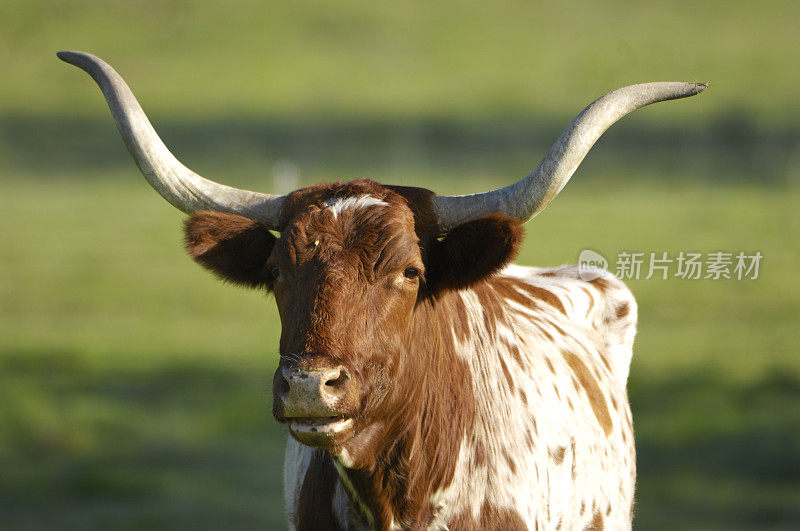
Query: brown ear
[[235, 248], [472, 252]]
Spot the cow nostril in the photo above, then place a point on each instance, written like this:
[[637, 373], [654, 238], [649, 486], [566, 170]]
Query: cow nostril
[[338, 381], [283, 384]]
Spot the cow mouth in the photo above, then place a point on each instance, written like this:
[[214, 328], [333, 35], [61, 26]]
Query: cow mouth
[[319, 431]]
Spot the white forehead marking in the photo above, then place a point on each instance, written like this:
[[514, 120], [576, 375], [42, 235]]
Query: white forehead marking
[[340, 204]]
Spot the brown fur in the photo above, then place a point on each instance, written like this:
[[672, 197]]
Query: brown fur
[[345, 300], [543, 295], [597, 523], [593, 392], [233, 247], [557, 455], [342, 297], [314, 506], [601, 284], [473, 251], [490, 518], [416, 451]]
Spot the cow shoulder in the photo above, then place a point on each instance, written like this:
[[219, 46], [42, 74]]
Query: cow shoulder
[[599, 303]]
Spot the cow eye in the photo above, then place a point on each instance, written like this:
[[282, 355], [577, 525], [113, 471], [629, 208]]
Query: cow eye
[[274, 271], [411, 273]]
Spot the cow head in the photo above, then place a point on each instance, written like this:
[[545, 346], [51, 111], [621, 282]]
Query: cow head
[[354, 261], [351, 265]]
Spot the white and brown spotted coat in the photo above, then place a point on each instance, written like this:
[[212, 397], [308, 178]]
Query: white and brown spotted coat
[[552, 439], [479, 396]]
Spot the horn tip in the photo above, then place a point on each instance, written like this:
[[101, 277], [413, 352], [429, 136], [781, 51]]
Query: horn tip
[[69, 56], [73, 57], [700, 87]]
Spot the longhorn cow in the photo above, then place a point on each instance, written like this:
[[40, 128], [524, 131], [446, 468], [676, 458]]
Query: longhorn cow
[[424, 381]]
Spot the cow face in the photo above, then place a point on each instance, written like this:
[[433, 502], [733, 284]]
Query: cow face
[[346, 276], [351, 268]]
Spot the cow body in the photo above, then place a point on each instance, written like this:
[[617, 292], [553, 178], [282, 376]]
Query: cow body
[[549, 442]]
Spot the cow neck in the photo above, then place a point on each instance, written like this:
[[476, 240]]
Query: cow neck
[[417, 454]]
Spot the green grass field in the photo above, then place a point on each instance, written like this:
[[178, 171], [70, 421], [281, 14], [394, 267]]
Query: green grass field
[[135, 388]]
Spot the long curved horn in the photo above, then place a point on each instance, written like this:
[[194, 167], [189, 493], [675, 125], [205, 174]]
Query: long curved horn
[[531, 195], [176, 183]]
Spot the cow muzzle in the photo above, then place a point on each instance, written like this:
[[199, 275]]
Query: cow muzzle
[[316, 402]]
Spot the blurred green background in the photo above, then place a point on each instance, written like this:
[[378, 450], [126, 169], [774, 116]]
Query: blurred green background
[[135, 388]]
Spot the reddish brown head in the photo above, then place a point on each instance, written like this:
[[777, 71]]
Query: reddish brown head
[[352, 266]]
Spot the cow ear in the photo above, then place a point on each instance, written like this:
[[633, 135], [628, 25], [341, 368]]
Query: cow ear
[[472, 252], [233, 247]]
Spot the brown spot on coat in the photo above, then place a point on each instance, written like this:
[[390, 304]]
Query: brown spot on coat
[[623, 310], [557, 455], [510, 461], [529, 438], [605, 361], [505, 289], [597, 523], [507, 374], [600, 283], [543, 295], [491, 518], [596, 397], [574, 461], [516, 354]]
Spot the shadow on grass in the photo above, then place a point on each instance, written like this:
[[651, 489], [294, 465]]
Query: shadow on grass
[[181, 446], [715, 455], [193, 446]]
